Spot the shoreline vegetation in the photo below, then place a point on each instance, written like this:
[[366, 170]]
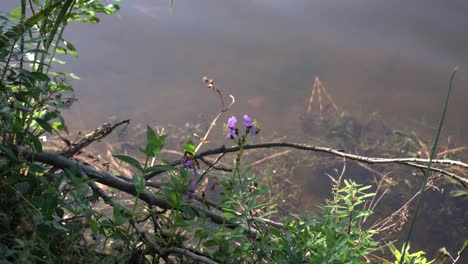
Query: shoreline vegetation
[[166, 196]]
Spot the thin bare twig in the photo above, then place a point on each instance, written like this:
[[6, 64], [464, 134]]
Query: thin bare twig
[[210, 85], [97, 134], [213, 123], [411, 162]]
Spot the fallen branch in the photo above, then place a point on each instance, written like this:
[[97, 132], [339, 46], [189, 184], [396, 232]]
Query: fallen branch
[[411, 162], [110, 180]]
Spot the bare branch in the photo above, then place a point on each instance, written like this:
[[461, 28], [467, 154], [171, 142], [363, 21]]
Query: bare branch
[[411, 162], [110, 180], [97, 134], [189, 254]]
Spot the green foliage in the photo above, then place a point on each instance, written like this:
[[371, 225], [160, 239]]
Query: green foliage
[[416, 257], [43, 212], [334, 237]]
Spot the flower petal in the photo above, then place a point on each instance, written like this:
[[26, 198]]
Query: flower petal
[[247, 121]]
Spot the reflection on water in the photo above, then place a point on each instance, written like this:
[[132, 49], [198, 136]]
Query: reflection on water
[[392, 57]]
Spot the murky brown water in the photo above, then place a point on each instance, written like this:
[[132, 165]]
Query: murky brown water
[[392, 57]]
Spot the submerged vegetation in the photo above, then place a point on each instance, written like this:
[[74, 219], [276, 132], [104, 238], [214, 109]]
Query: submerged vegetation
[[164, 196]]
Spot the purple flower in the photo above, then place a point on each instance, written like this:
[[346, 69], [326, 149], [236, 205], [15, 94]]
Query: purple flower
[[231, 130], [249, 124], [188, 164], [191, 191], [247, 121], [24, 109], [192, 187]]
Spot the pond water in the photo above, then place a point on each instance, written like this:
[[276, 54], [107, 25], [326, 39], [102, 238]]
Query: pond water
[[391, 57]]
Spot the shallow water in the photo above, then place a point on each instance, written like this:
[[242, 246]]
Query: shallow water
[[391, 57]]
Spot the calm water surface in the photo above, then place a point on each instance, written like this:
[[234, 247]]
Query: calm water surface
[[391, 57]]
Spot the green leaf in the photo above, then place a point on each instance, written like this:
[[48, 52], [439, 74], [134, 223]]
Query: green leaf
[[60, 50], [111, 9], [139, 182], [155, 143], [44, 124], [57, 126], [94, 226], [228, 215], [36, 143], [37, 2], [159, 168], [211, 243], [131, 161], [70, 49], [189, 148], [63, 125], [70, 46], [15, 14], [173, 198], [8, 152], [118, 217], [464, 247], [40, 76], [459, 193]]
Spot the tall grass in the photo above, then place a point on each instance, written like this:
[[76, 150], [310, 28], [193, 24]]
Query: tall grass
[[427, 170]]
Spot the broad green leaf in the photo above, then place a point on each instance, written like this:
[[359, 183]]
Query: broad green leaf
[[94, 226], [57, 126], [155, 143], [71, 49], [139, 182], [131, 161], [189, 148], [119, 219], [15, 14], [44, 124], [36, 143]]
